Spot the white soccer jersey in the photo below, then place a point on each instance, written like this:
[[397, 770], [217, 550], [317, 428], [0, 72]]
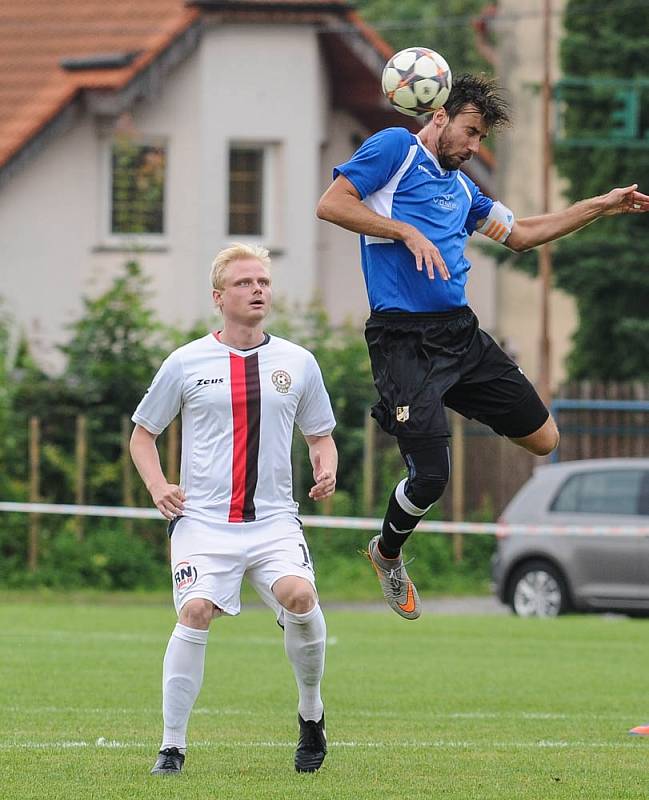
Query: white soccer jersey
[[238, 411]]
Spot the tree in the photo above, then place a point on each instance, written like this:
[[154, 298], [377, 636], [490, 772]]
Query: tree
[[114, 351], [443, 25], [116, 346], [342, 356], [605, 266]]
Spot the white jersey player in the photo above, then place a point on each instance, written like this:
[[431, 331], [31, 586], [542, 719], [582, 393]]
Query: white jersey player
[[240, 392]]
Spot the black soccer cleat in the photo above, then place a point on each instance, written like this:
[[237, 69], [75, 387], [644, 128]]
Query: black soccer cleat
[[169, 762], [311, 746]]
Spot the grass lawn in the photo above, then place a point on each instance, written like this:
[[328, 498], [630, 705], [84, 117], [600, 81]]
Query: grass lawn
[[444, 707]]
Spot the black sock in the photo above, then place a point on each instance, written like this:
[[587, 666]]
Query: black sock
[[397, 527]]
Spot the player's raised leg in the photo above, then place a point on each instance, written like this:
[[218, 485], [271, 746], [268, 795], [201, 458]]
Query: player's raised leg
[[305, 636], [542, 441], [428, 473]]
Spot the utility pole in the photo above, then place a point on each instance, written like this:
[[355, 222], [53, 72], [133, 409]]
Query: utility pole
[[545, 255]]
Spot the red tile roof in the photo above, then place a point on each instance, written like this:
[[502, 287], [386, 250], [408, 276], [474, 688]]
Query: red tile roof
[[35, 35]]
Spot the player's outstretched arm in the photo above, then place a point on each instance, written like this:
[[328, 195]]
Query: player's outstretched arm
[[324, 460], [342, 205], [532, 231], [167, 497]]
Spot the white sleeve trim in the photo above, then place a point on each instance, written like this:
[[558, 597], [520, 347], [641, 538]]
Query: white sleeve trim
[[498, 223], [143, 422], [466, 188]]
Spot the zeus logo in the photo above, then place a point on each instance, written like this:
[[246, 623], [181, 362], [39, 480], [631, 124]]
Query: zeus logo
[[205, 381], [185, 575]]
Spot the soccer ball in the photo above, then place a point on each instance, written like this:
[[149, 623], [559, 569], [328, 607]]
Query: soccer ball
[[416, 81]]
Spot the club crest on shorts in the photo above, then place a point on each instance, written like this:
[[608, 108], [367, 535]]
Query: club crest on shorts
[[281, 380], [185, 575], [403, 413]]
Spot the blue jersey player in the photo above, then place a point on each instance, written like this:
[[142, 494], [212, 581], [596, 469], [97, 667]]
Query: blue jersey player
[[415, 211]]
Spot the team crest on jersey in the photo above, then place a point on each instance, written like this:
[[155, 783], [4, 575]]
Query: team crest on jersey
[[403, 413], [185, 575], [281, 380]]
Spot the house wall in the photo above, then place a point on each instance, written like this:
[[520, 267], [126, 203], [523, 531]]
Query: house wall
[[343, 287], [54, 213], [519, 157], [54, 221], [48, 223], [271, 105]]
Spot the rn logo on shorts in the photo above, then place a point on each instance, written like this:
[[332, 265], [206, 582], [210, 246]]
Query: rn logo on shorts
[[185, 575], [281, 381], [403, 413]]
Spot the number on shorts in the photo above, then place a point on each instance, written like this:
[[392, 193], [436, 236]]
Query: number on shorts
[[305, 553]]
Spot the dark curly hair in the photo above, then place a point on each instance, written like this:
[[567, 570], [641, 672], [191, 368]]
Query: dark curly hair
[[484, 94]]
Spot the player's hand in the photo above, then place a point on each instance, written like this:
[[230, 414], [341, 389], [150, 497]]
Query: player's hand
[[168, 498], [426, 253], [325, 481], [625, 201]]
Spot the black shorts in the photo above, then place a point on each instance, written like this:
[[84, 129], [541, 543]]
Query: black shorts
[[422, 362]]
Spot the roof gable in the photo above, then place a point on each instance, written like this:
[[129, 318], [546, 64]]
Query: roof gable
[[91, 54], [37, 35]]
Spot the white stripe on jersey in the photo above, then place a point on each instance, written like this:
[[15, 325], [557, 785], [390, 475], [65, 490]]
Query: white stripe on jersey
[[381, 201], [238, 411], [460, 178]]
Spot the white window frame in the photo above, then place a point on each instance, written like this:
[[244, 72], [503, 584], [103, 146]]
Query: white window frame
[[131, 240], [271, 199]]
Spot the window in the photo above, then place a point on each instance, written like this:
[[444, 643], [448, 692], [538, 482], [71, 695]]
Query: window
[[603, 492], [247, 188], [137, 187]]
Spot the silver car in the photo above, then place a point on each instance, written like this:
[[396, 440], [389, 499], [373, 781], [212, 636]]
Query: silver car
[[549, 573]]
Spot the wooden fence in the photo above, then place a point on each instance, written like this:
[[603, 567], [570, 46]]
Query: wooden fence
[[128, 474], [605, 432], [486, 469]]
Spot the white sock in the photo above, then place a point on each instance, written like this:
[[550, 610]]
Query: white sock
[[182, 677], [304, 641]]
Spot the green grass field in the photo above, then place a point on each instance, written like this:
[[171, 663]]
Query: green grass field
[[445, 707]]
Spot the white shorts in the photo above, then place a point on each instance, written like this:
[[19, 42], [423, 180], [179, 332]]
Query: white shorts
[[209, 561]]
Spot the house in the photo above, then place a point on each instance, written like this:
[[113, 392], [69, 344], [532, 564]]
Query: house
[[167, 129], [519, 29]]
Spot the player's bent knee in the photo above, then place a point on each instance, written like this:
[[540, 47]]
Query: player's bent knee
[[428, 473], [548, 445], [543, 441], [295, 594], [198, 613], [424, 490]]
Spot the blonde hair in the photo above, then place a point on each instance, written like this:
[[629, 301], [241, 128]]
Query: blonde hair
[[232, 253]]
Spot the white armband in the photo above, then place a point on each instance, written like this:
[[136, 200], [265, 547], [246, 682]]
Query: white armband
[[498, 224]]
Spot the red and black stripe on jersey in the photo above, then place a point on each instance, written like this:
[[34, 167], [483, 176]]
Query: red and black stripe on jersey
[[246, 415]]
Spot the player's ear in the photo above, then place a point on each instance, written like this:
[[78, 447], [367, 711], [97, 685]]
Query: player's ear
[[440, 117], [216, 295]]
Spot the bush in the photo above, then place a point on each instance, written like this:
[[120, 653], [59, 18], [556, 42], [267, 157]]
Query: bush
[[109, 556]]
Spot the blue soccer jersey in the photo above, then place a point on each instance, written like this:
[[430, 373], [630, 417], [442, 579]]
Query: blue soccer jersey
[[397, 177]]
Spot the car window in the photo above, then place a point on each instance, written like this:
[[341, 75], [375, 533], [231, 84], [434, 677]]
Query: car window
[[604, 492]]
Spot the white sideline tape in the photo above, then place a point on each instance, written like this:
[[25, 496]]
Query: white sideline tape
[[542, 716], [347, 523], [397, 745]]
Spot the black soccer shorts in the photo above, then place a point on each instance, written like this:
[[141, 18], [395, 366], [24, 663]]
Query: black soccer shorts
[[422, 362]]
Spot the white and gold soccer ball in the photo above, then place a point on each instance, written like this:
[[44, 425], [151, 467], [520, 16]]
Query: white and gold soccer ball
[[417, 81]]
